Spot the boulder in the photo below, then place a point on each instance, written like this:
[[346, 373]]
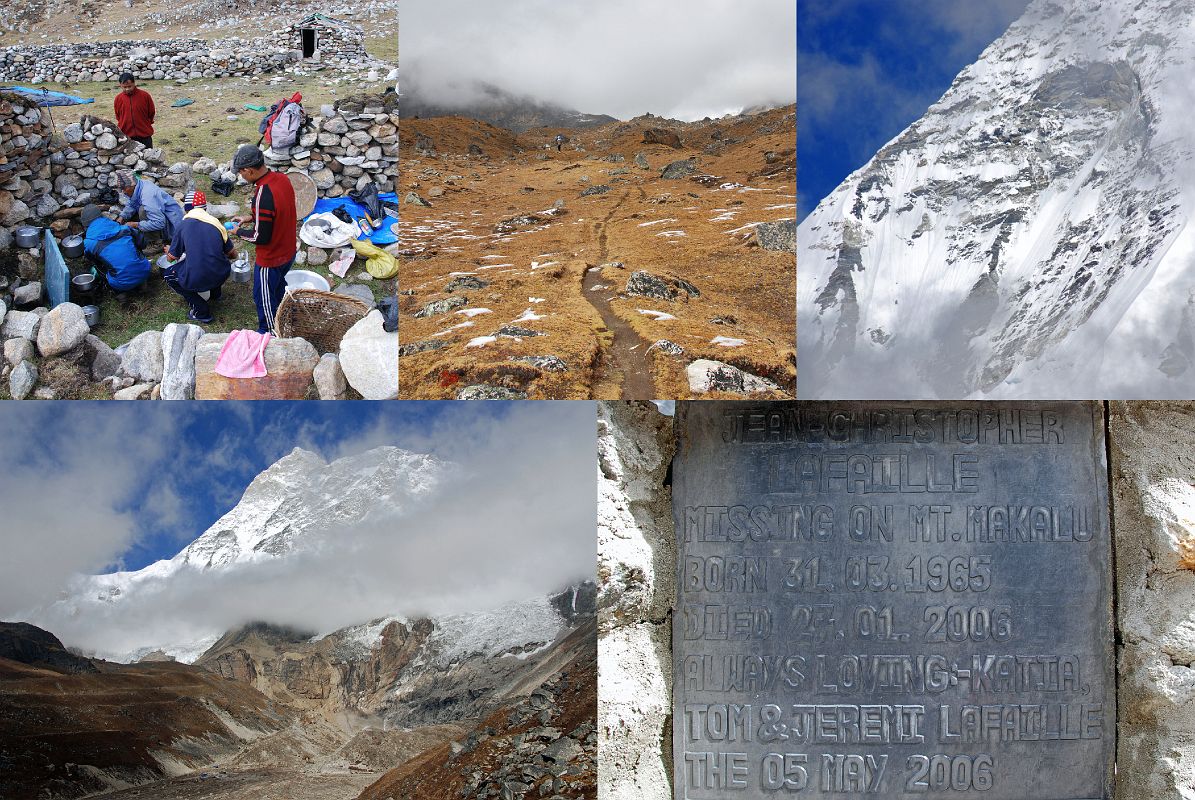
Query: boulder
[[488, 391], [61, 330], [369, 358], [644, 284], [669, 347], [3, 311], [706, 375], [438, 307], [139, 391], [661, 136], [20, 323], [28, 294], [104, 360], [358, 291], [142, 359], [178, 361], [779, 235], [465, 282], [329, 378], [17, 350], [22, 379], [289, 364], [546, 363], [679, 169]]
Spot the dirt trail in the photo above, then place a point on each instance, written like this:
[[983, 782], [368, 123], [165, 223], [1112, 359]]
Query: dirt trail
[[623, 368], [252, 785]]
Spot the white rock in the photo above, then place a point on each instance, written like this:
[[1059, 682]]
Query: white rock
[[178, 361], [142, 359], [369, 358], [61, 330], [22, 379], [329, 378], [21, 323]]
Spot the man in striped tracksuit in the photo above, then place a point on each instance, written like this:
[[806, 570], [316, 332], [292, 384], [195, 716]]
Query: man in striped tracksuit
[[273, 233]]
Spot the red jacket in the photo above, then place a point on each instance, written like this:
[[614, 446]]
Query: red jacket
[[135, 113], [275, 221]]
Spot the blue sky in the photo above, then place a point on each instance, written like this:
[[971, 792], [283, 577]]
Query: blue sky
[[869, 68], [91, 487]]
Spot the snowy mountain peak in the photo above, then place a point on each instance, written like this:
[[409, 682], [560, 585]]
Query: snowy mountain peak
[[1028, 235]]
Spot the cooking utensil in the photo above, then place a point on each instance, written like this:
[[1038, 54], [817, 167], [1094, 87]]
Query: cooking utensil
[[83, 283], [72, 247], [91, 314], [28, 236], [242, 270]]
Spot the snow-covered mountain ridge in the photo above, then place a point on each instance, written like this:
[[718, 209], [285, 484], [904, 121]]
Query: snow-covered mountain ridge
[[1028, 236]]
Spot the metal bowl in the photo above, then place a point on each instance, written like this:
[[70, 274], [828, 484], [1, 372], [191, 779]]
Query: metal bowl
[[83, 283], [306, 279], [242, 271]]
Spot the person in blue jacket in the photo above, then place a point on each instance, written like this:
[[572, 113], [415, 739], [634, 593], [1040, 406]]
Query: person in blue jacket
[[111, 248], [162, 214], [203, 250]]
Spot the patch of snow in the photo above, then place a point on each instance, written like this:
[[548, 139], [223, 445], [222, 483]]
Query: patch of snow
[[481, 341], [671, 234], [658, 316], [528, 316], [473, 312], [535, 299], [655, 222], [450, 328], [728, 341]]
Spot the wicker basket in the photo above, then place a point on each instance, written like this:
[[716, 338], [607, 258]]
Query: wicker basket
[[321, 318]]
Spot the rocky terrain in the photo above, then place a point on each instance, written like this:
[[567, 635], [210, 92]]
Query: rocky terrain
[[1029, 236], [647, 258], [263, 710]]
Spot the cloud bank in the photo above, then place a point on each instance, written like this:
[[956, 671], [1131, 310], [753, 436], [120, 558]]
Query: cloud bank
[[515, 520], [684, 59]]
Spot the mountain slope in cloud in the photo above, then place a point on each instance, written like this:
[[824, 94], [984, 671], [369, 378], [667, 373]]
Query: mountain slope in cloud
[[1029, 235]]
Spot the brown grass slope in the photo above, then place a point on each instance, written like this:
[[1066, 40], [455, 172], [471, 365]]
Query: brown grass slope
[[563, 275]]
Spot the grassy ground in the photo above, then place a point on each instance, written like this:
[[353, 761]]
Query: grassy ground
[[185, 134]]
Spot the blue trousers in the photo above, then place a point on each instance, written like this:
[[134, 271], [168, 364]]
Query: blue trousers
[[195, 301], [269, 287]]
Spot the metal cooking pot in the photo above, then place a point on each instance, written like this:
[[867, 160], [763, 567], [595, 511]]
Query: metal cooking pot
[[72, 247], [242, 271], [83, 283], [28, 236], [92, 315]]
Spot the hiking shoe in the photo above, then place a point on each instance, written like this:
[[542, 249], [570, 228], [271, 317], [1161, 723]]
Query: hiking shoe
[[205, 320]]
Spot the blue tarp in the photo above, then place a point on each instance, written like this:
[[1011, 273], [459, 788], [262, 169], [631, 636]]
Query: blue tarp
[[381, 237], [45, 97], [57, 276]]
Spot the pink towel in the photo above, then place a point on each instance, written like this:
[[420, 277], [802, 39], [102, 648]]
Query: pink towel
[[243, 355]]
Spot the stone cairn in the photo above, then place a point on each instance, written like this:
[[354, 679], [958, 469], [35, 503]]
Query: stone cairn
[[168, 59], [344, 150], [48, 177]]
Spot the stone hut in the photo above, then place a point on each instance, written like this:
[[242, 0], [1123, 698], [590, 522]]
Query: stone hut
[[332, 39]]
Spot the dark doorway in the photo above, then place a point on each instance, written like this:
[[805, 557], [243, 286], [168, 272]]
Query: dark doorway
[[308, 42]]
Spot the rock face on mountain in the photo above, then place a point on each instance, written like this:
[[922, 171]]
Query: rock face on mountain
[[1028, 235], [70, 728], [28, 644], [541, 744], [497, 107]]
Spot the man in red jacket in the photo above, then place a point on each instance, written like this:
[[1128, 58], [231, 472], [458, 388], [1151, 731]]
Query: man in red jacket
[[273, 235], [135, 111]]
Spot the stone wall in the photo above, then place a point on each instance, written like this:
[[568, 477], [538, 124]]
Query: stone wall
[[1153, 503], [636, 588], [335, 43], [47, 175], [165, 59], [1152, 492], [344, 150]]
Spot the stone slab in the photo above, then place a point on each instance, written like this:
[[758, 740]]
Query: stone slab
[[892, 600]]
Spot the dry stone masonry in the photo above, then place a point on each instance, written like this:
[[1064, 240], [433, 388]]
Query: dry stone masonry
[[346, 146]]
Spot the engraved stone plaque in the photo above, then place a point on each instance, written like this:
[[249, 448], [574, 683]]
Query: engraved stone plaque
[[892, 600]]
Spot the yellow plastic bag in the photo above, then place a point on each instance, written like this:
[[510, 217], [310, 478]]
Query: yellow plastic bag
[[379, 263]]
